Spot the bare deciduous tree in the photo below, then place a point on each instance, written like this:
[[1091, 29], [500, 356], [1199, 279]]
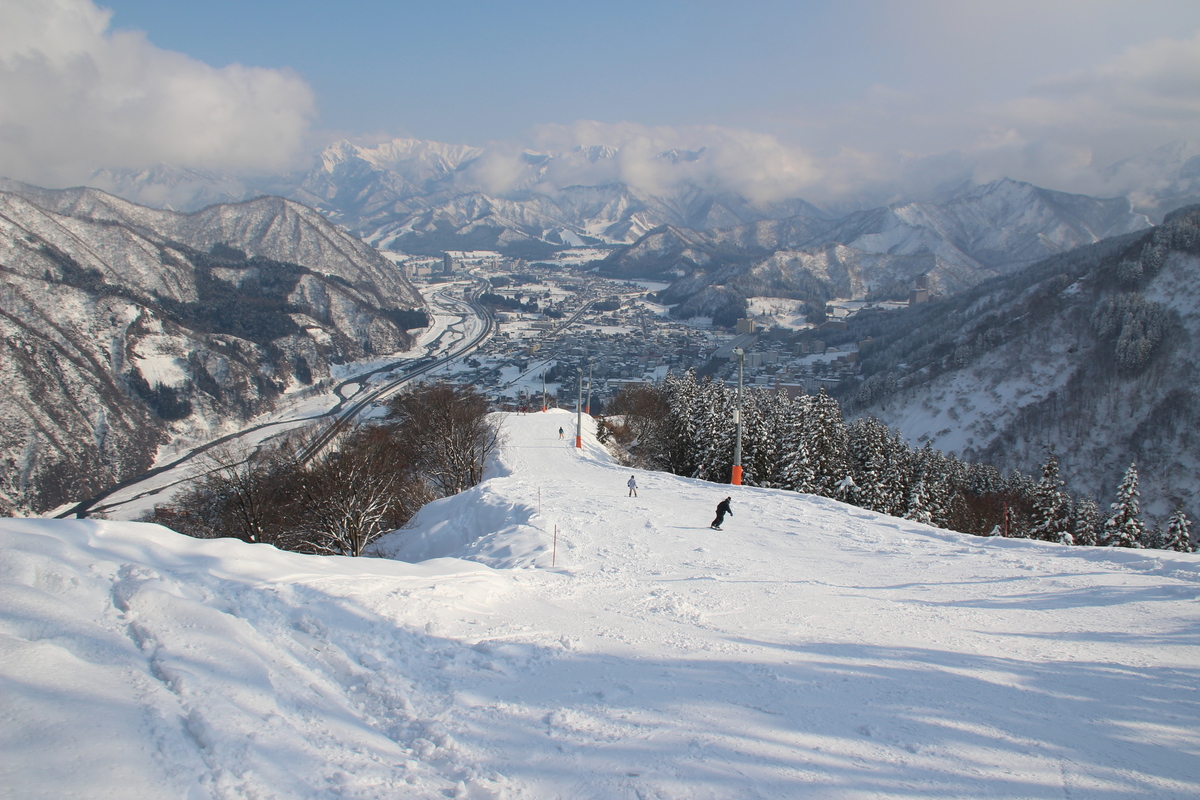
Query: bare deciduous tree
[[448, 434], [351, 495]]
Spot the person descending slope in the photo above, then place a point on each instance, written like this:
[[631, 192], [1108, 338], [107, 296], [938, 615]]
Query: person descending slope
[[722, 509], [632, 484]]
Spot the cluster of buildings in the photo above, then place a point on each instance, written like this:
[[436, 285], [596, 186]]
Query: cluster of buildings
[[621, 338]]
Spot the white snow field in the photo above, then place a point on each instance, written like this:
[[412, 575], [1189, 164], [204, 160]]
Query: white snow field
[[809, 650]]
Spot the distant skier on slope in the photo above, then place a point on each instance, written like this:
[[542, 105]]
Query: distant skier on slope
[[632, 484], [722, 509], [560, 432]]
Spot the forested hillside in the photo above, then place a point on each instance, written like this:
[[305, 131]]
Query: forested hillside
[[1093, 352], [121, 326], [689, 427]]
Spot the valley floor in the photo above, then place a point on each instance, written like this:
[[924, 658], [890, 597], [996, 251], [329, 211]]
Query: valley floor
[[810, 649]]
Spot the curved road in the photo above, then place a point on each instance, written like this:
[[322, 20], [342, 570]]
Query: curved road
[[349, 405]]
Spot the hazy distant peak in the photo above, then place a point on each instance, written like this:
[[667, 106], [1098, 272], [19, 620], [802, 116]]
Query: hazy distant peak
[[396, 153], [596, 152], [679, 156]]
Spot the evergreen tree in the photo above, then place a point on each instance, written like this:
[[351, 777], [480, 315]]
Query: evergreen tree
[[681, 448], [846, 490], [759, 442], [917, 506], [882, 463], [715, 430], [1124, 526], [1178, 537], [937, 478], [1087, 523], [1051, 506], [826, 433], [799, 473]]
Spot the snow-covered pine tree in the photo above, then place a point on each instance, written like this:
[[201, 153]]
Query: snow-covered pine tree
[[715, 430], [882, 463], [1021, 487], [917, 507], [867, 443], [1051, 506], [846, 490], [682, 394], [767, 453], [798, 471], [937, 474], [1086, 522], [1124, 527], [1178, 536], [758, 440], [826, 434]]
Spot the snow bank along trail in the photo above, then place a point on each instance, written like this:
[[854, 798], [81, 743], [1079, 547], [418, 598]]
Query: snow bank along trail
[[809, 649]]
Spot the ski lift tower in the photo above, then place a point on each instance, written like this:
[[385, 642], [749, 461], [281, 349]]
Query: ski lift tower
[[579, 412], [736, 479]]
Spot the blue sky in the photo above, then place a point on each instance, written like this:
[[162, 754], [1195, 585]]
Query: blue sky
[[855, 90], [473, 71]]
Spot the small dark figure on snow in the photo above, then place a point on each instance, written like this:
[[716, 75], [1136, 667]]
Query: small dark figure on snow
[[632, 487], [722, 509], [560, 432]]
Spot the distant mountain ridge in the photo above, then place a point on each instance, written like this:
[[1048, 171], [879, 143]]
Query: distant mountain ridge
[[981, 233], [121, 325], [427, 197]]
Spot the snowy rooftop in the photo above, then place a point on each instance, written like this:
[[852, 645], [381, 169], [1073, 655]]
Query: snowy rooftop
[[808, 650]]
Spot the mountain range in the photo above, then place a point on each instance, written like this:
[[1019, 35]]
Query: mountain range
[[717, 246], [427, 197], [122, 326], [977, 234]]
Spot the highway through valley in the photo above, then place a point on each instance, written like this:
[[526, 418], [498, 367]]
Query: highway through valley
[[459, 325]]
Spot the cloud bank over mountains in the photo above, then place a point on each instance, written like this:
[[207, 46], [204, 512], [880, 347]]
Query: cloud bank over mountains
[[80, 96]]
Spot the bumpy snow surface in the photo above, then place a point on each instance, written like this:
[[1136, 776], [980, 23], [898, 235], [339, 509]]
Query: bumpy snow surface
[[810, 649]]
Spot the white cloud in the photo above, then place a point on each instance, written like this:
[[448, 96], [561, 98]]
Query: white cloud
[[1062, 132], [76, 96], [755, 165]]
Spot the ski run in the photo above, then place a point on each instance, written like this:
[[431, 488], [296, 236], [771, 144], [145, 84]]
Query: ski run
[[808, 650]]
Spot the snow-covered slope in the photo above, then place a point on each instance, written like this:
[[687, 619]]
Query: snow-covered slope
[[808, 650]]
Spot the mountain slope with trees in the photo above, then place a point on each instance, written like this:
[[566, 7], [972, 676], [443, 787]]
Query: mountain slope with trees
[[974, 235], [1094, 352], [122, 326]]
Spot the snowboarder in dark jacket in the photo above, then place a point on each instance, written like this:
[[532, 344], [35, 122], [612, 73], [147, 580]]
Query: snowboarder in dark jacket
[[722, 509]]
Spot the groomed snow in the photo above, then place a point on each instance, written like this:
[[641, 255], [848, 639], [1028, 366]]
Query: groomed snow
[[808, 650]]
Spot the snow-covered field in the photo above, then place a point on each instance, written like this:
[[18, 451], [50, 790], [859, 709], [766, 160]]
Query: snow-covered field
[[808, 650]]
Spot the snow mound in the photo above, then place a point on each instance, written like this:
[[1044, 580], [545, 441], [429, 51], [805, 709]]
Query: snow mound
[[809, 649]]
